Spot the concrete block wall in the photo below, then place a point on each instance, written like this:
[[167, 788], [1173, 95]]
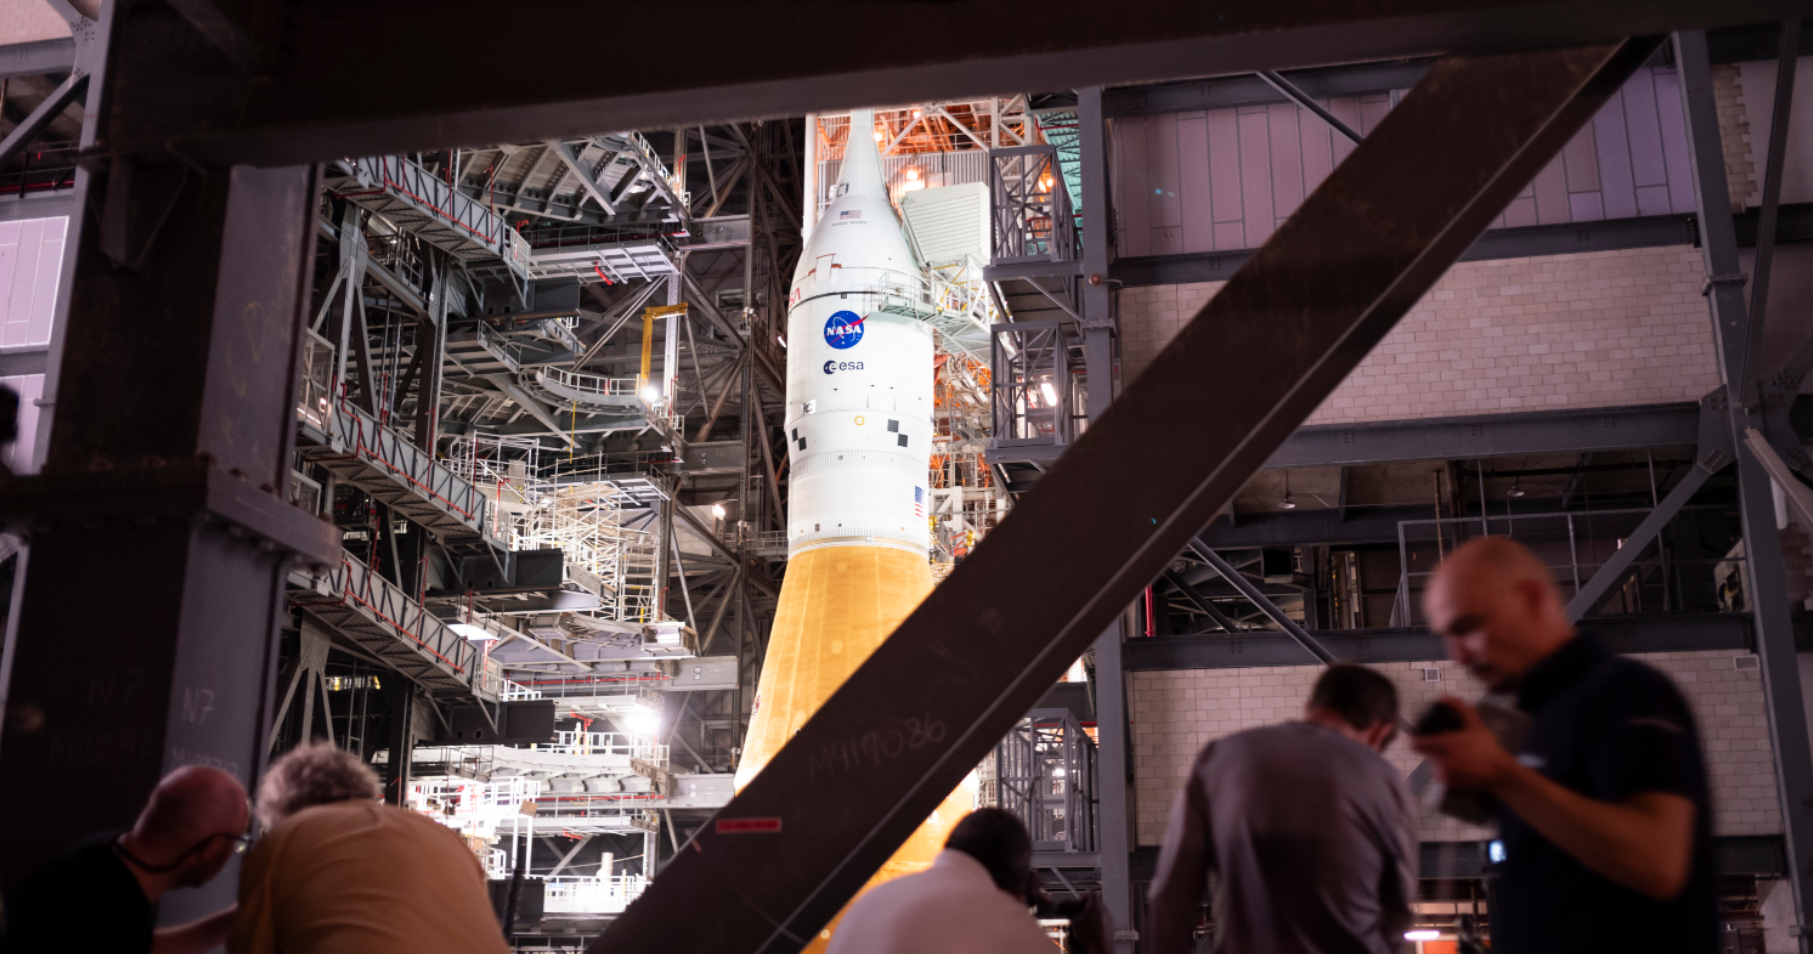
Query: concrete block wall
[[1596, 329], [22, 21], [1176, 713]]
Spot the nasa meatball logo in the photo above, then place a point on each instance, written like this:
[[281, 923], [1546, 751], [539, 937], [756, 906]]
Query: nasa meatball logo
[[843, 330]]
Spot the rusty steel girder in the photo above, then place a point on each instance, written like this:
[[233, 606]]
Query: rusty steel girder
[[780, 860]]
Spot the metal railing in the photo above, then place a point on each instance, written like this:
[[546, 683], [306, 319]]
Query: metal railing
[[591, 894], [1671, 577], [497, 798], [643, 689], [1045, 776], [344, 428], [517, 692], [1033, 395], [607, 743], [387, 606], [1029, 208], [466, 220], [591, 383]]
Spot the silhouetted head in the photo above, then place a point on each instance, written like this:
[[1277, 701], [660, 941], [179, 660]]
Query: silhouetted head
[[996, 839], [313, 775], [1496, 608], [190, 828], [1357, 702]]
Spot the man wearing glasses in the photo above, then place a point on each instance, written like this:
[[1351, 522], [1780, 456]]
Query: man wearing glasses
[[104, 889]]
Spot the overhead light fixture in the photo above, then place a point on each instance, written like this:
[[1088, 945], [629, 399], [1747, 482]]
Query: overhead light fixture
[[717, 510], [651, 394], [642, 722], [1058, 772], [1515, 490], [1287, 503], [1051, 393], [1422, 935], [477, 634], [782, 339]]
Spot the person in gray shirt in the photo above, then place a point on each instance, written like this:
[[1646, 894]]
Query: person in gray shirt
[[1310, 834]]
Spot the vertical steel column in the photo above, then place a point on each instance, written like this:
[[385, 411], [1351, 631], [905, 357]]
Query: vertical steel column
[[163, 500], [1765, 574], [1113, 810], [400, 696], [858, 777], [91, 57]]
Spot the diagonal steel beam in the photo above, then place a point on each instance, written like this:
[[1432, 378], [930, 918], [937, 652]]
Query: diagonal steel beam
[[40, 118], [1799, 497], [1713, 455], [1255, 597], [1770, 211], [862, 773], [1202, 603], [564, 153], [1295, 95]]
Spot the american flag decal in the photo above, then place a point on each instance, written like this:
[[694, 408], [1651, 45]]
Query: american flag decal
[[918, 501], [850, 214]]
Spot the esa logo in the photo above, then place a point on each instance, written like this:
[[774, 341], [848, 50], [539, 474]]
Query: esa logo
[[843, 330], [832, 367]]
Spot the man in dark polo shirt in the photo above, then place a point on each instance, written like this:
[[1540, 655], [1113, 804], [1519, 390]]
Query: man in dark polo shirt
[[101, 893], [1605, 818]]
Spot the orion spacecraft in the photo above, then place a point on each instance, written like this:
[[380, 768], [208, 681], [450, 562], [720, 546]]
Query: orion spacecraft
[[859, 416]]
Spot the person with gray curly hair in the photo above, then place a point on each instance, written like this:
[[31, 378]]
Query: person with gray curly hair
[[313, 775], [339, 872]]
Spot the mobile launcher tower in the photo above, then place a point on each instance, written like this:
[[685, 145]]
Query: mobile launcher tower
[[859, 415]]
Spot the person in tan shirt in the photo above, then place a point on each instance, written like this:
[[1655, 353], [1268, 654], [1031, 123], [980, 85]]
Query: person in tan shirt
[[338, 872]]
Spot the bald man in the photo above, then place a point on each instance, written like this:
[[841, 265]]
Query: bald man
[[1605, 810], [102, 893]]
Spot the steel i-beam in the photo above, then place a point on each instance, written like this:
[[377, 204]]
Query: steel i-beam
[[783, 857]]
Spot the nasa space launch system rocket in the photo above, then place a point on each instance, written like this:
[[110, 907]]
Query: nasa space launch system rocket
[[859, 418]]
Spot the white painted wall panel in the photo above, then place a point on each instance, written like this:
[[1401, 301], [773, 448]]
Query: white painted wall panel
[[31, 259]]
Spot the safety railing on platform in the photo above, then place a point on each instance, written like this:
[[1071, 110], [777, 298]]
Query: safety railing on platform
[[1033, 395], [584, 894], [429, 194], [594, 384], [353, 583], [1680, 571], [638, 687], [607, 743], [1045, 776], [497, 798], [517, 692], [1031, 214], [347, 428]]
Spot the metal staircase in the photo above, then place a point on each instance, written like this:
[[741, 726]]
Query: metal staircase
[[356, 449], [393, 626], [424, 205]]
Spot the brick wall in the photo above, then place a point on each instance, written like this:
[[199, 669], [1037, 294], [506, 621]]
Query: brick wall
[[1596, 329], [22, 21], [1734, 135], [1176, 713]]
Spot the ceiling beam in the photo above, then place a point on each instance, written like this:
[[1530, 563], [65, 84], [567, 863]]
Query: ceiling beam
[[315, 104]]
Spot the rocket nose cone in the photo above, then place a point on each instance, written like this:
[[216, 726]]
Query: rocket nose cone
[[861, 170]]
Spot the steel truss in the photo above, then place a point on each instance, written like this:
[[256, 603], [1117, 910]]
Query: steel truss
[[860, 774]]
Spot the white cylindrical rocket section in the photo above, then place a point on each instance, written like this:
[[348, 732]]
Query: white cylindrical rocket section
[[859, 379]]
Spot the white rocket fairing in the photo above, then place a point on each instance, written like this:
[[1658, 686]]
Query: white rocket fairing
[[859, 379], [859, 415]]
